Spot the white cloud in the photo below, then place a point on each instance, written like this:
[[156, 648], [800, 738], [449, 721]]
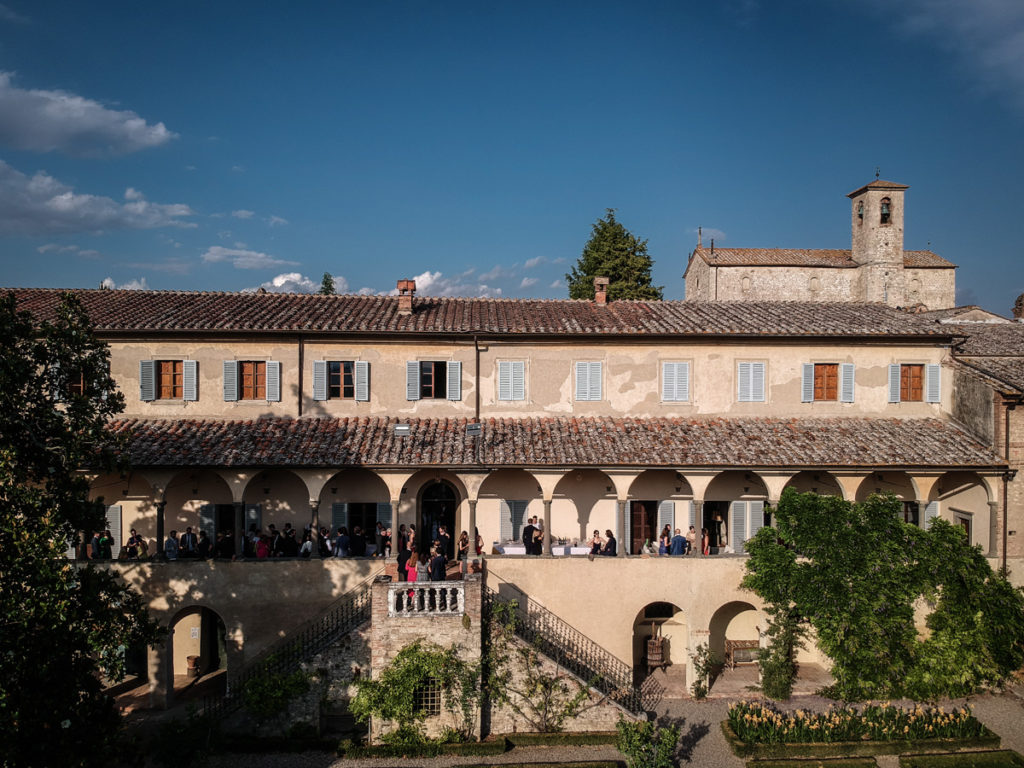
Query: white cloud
[[707, 234], [986, 36], [224, 234], [58, 121], [240, 244], [529, 282], [498, 272], [243, 259], [296, 282], [436, 284], [55, 248], [89, 253], [531, 263], [277, 221], [41, 204], [557, 284], [174, 266], [243, 214], [133, 194], [190, 167], [131, 285], [238, 169], [9, 14]]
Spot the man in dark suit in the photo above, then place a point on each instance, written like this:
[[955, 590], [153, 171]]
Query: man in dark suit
[[188, 544], [437, 565], [610, 548], [529, 536]]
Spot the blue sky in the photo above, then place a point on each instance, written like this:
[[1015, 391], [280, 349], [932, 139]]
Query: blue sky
[[223, 146]]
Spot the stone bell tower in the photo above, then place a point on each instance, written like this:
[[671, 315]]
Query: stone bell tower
[[877, 236]]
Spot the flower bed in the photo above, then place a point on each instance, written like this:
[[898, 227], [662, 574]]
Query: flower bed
[[757, 729]]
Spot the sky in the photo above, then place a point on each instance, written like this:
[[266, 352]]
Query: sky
[[472, 145]]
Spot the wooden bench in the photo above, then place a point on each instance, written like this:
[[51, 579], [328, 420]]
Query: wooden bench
[[732, 646]]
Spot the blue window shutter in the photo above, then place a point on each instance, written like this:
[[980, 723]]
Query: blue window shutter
[[807, 383], [412, 380], [518, 380], [384, 513], [738, 525], [847, 380], [147, 380], [595, 381], [505, 520], [743, 382], [230, 381], [894, 383], [114, 524], [582, 381], [319, 379], [626, 535], [931, 511], [362, 381], [668, 382], [683, 382], [190, 380], [756, 517], [666, 515], [454, 380], [693, 513], [504, 380], [206, 521], [932, 383], [273, 381], [339, 515], [757, 382]]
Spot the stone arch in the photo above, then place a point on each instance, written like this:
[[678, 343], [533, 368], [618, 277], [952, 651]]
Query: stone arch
[[281, 497], [586, 497], [355, 484], [412, 492], [509, 485], [899, 484], [815, 481], [196, 645], [190, 495], [134, 495], [646, 493], [735, 620], [670, 623], [728, 487], [963, 499]]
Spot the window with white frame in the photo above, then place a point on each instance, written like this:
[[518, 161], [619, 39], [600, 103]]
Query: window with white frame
[[915, 382], [675, 382], [252, 380], [750, 382], [341, 380], [827, 381], [168, 380], [433, 380], [588, 380], [511, 380]]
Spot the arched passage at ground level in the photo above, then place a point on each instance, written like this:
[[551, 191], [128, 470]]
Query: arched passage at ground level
[[736, 621], [194, 652], [664, 621]]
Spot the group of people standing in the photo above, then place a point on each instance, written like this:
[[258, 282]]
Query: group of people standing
[[683, 545], [432, 565]]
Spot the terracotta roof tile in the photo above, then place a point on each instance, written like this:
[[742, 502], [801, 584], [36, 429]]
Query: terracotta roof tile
[[557, 442], [807, 257], [153, 312]]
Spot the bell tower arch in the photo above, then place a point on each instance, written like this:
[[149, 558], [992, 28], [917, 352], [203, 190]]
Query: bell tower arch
[[877, 240]]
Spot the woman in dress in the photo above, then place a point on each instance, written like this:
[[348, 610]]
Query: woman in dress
[[479, 541], [664, 541], [596, 542], [463, 554], [705, 542], [410, 566]]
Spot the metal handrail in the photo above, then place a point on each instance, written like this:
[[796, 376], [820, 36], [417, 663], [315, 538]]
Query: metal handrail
[[571, 649], [342, 616]]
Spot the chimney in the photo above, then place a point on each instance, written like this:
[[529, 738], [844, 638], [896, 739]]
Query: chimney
[[406, 290], [601, 290]]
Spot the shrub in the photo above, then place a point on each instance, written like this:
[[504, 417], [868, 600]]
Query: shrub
[[705, 661], [645, 745]]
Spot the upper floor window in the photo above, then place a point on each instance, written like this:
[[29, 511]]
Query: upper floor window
[[588, 381], [511, 380], [915, 382], [168, 380], [252, 380], [886, 211], [341, 380], [827, 381], [750, 382], [675, 382], [433, 379]]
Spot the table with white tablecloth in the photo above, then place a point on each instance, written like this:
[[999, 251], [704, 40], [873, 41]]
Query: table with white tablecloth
[[561, 550], [510, 549]]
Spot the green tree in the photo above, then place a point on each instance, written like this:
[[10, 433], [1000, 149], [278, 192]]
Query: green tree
[[616, 253], [62, 628], [327, 285], [855, 572]]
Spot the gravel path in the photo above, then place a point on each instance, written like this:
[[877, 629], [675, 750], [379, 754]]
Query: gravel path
[[701, 744]]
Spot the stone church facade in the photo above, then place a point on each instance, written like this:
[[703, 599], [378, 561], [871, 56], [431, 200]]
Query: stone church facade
[[876, 269]]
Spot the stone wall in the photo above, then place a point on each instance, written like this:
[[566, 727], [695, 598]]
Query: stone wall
[[1015, 487], [972, 405]]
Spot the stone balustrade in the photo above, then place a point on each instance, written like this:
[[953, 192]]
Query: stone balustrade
[[437, 598]]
